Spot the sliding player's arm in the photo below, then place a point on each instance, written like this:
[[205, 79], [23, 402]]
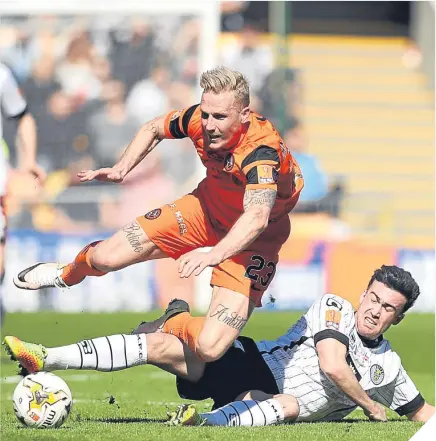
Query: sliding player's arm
[[331, 319], [404, 398], [423, 414], [332, 361]]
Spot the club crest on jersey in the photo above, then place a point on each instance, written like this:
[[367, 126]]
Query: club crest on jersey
[[229, 162], [377, 374], [153, 214]]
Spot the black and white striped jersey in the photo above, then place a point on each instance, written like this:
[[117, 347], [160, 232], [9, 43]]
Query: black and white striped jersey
[[293, 361]]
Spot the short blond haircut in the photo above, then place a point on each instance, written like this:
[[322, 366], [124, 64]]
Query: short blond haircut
[[223, 79]]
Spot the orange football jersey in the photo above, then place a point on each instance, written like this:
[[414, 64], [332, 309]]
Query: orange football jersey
[[231, 172]]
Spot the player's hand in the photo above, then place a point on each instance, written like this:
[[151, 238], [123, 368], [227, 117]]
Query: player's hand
[[377, 413], [108, 174], [196, 261]]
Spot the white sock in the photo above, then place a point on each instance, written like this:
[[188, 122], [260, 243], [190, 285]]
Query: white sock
[[246, 413], [112, 353]]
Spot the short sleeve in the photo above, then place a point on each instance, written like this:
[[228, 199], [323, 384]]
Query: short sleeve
[[401, 395], [261, 167], [182, 123], [12, 101], [331, 317]]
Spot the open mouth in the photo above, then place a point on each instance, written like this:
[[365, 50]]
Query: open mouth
[[369, 321], [214, 138]]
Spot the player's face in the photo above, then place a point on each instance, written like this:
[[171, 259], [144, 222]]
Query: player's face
[[222, 119], [380, 307]]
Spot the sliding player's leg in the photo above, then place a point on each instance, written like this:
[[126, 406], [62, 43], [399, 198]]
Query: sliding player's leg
[[265, 410], [109, 353]]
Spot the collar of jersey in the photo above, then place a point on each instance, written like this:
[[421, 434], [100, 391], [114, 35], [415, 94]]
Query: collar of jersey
[[371, 343]]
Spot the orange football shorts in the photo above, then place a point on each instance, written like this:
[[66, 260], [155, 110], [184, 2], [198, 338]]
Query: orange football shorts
[[184, 225]]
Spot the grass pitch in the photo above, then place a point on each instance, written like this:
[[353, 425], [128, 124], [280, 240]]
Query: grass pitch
[[141, 396]]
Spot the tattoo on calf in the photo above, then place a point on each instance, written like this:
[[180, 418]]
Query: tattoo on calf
[[230, 318], [133, 235], [262, 196]]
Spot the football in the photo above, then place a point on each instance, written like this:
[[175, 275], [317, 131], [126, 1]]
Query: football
[[42, 400]]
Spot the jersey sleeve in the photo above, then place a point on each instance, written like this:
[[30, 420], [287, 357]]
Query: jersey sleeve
[[182, 123], [331, 317], [12, 102], [260, 167], [401, 395]]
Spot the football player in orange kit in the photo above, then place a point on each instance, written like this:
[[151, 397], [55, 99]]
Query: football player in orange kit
[[240, 209]]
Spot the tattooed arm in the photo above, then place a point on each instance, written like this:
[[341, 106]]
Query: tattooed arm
[[257, 208], [145, 140]]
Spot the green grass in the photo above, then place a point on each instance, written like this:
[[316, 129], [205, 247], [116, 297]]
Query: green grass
[[143, 393]]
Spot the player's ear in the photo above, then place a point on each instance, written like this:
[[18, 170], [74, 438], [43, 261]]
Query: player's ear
[[245, 113], [398, 319]]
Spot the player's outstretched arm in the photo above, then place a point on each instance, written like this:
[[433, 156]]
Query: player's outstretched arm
[[332, 362], [145, 140], [257, 208], [423, 414]]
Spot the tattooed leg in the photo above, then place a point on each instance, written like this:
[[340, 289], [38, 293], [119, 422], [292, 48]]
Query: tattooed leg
[[127, 246], [228, 313]]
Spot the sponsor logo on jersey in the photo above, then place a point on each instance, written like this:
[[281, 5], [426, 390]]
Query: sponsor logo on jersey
[[332, 319], [183, 229], [377, 374], [153, 214], [266, 175]]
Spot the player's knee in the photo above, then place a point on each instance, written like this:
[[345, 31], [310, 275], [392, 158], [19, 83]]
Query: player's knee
[[103, 260], [290, 406], [209, 349]]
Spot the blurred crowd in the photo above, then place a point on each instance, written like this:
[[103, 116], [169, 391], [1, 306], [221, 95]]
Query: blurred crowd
[[91, 82]]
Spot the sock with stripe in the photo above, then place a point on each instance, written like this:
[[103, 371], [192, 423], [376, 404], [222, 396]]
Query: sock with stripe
[[246, 413], [112, 353]]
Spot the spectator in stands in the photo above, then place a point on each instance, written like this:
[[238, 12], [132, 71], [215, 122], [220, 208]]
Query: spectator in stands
[[75, 73], [317, 195], [148, 97], [41, 84], [280, 96], [132, 57], [110, 128], [250, 56]]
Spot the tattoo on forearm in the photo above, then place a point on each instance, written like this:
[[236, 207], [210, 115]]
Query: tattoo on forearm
[[153, 128], [134, 234], [259, 197], [230, 318]]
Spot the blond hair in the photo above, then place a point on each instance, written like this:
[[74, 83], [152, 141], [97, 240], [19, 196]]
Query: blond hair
[[223, 79]]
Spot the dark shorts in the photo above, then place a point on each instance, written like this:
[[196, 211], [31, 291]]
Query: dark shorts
[[237, 371]]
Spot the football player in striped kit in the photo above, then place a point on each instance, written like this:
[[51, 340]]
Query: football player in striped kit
[[331, 361]]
